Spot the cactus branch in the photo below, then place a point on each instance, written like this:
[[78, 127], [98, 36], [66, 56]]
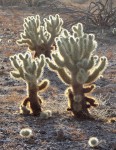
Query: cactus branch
[[43, 85]]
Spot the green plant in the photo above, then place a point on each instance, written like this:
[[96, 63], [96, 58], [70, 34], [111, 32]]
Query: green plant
[[30, 70], [38, 37], [77, 66]]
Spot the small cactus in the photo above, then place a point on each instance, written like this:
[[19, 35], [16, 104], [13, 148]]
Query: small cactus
[[114, 31], [77, 66], [38, 37], [30, 70]]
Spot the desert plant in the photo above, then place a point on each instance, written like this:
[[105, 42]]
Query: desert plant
[[29, 2], [38, 37], [102, 13], [77, 66], [114, 31], [30, 70]]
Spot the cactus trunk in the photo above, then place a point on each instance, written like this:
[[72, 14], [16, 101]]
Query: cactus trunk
[[78, 102], [42, 49], [79, 108], [35, 102]]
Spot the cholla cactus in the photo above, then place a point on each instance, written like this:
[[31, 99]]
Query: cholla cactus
[[30, 70], [77, 66], [40, 38]]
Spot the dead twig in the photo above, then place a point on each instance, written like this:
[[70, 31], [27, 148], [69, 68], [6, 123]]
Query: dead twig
[[102, 14]]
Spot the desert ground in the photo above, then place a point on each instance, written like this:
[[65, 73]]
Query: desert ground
[[62, 131]]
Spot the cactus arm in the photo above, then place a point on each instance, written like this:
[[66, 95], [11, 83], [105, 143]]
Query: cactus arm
[[89, 89], [67, 59], [53, 26], [44, 35], [63, 75], [14, 62], [25, 41], [25, 101], [40, 67], [56, 23], [91, 46], [78, 30], [91, 101], [43, 85], [57, 60], [33, 69], [97, 70], [19, 71], [51, 65], [15, 74], [91, 62], [69, 94]]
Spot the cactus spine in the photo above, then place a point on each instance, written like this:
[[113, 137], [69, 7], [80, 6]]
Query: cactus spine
[[30, 70], [40, 38], [78, 67]]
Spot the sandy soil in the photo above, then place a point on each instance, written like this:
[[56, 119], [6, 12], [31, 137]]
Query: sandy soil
[[46, 133]]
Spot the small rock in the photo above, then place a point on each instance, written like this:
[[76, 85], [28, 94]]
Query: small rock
[[2, 67], [6, 79], [5, 59], [42, 132], [60, 135], [48, 148], [113, 146]]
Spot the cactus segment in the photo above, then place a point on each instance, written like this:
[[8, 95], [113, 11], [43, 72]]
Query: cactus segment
[[43, 85]]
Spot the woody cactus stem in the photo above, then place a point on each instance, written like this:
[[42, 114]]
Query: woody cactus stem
[[38, 37], [78, 67], [30, 70]]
